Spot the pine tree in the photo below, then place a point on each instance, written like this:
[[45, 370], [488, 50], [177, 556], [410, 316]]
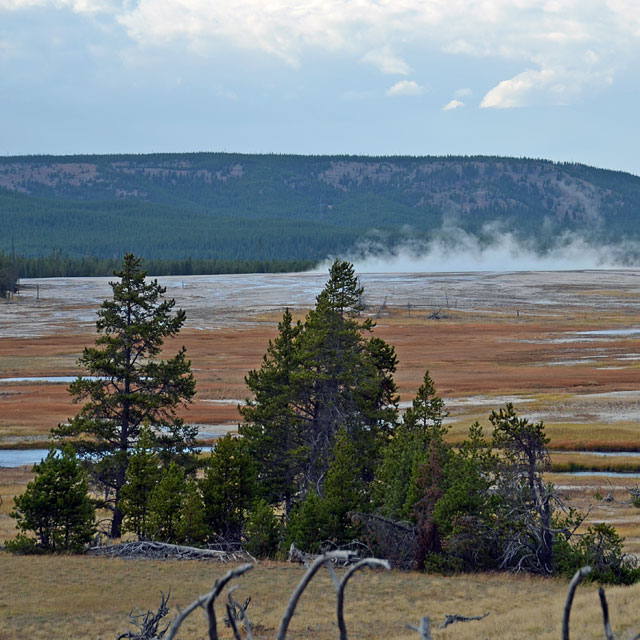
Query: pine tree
[[228, 488], [271, 425], [330, 375], [56, 505], [143, 474], [343, 491], [128, 386], [262, 531], [192, 526], [165, 505], [395, 488]]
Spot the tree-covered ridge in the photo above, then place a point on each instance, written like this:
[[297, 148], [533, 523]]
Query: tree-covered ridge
[[236, 206]]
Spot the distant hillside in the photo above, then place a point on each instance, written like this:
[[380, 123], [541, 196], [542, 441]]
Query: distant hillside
[[234, 206]]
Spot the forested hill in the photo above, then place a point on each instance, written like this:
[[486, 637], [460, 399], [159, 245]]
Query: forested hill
[[238, 207]]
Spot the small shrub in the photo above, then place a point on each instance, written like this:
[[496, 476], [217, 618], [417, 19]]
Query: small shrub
[[263, 530]]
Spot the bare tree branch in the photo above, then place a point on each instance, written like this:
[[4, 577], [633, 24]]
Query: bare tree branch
[[573, 585], [605, 614], [302, 585], [424, 628], [367, 562], [207, 601]]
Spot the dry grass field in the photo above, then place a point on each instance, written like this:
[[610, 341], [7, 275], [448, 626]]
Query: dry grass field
[[84, 597], [564, 348]]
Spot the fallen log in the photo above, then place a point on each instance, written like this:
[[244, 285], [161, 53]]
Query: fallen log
[[163, 550]]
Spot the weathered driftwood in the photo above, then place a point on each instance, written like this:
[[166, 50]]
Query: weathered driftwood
[[302, 585], [236, 611], [456, 617], [148, 624], [424, 628], [578, 577], [162, 550], [371, 563], [307, 559], [207, 601]]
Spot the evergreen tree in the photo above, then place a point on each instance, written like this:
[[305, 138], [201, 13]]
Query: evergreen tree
[[395, 489], [308, 526], [228, 488], [271, 425], [192, 526], [56, 506], [143, 474], [128, 386], [165, 505], [343, 491], [263, 530], [318, 377]]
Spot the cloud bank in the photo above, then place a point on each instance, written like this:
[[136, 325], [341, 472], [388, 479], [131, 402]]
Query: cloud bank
[[564, 49]]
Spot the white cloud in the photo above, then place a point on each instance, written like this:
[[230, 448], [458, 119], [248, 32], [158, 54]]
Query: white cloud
[[453, 104], [386, 61], [462, 93], [405, 88], [556, 86], [591, 37]]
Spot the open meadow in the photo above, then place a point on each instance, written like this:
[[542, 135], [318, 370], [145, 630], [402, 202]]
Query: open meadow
[[563, 347]]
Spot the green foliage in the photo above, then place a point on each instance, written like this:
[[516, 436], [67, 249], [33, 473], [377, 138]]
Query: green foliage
[[228, 488], [308, 524], [318, 377], [128, 386], [165, 505], [192, 527], [235, 206], [395, 490], [55, 507], [271, 427], [142, 476], [262, 530], [601, 548], [343, 491]]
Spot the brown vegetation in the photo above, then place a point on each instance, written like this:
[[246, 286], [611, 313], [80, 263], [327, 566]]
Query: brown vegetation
[[89, 597]]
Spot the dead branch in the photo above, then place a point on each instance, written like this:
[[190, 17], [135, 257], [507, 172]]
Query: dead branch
[[391, 539], [148, 623], [367, 562], [578, 577], [207, 601], [605, 614], [424, 628], [302, 585], [452, 619], [307, 559]]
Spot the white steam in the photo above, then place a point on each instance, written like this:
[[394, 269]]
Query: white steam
[[460, 251]]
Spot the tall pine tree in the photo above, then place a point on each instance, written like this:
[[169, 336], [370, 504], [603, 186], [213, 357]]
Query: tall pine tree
[[128, 385], [318, 377]]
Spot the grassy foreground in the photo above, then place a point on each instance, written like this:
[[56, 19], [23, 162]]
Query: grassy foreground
[[87, 597]]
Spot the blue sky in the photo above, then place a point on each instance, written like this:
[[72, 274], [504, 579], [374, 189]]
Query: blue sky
[[554, 79]]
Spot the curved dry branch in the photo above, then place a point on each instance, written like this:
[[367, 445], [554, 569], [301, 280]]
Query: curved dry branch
[[605, 614], [579, 576], [302, 585], [207, 601], [367, 562]]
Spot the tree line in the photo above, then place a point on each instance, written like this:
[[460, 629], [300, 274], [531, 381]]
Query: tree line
[[324, 458], [58, 264]]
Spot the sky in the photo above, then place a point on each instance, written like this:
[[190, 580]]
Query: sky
[[553, 79]]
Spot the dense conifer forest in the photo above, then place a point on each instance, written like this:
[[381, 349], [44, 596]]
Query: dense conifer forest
[[233, 208]]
